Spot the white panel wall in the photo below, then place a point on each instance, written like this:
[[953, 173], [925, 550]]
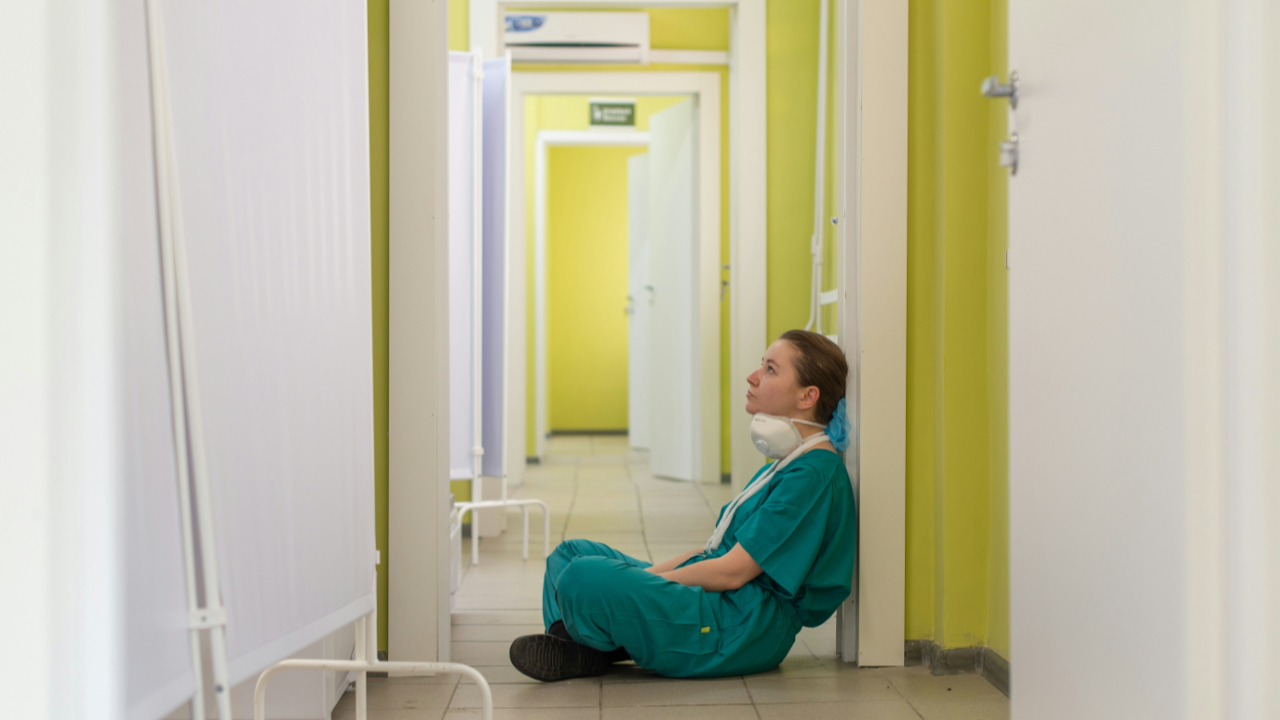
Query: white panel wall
[[270, 111], [158, 667], [461, 174], [497, 94]]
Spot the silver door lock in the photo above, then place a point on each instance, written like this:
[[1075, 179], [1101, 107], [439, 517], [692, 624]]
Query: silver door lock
[[1009, 154], [993, 88]]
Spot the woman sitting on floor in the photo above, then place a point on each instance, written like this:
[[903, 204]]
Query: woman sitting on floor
[[781, 557]]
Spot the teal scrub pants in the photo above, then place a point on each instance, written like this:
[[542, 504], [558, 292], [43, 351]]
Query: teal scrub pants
[[607, 600]]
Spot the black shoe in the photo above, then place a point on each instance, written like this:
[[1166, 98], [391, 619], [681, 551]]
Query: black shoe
[[549, 658], [613, 656]]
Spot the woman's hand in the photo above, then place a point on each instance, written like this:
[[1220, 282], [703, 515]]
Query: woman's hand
[[671, 564], [727, 572]]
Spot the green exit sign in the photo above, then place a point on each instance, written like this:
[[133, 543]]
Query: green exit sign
[[613, 113]]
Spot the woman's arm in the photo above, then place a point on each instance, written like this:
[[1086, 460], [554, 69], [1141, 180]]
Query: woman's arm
[[673, 563], [727, 572]]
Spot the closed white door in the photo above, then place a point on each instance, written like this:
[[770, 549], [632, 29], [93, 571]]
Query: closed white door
[[640, 301], [1096, 347], [673, 247]]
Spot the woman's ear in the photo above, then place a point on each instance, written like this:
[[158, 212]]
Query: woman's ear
[[809, 397]]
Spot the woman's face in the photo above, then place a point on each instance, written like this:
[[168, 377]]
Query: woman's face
[[773, 388]]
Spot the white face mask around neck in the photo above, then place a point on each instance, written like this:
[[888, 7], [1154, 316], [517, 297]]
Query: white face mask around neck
[[776, 436]]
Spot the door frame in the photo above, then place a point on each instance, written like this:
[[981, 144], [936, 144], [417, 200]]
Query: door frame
[[871, 102], [748, 221], [704, 87], [546, 139]]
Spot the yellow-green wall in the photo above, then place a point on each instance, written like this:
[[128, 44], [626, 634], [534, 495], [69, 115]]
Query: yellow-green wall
[[951, 49], [379, 208], [587, 266], [998, 344], [957, 470]]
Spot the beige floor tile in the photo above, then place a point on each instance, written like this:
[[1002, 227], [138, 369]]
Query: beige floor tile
[[673, 505], [377, 714], [568, 444], [612, 539], [835, 688], [506, 601], [924, 686], [962, 708], [493, 633], [502, 675], [440, 679], [584, 525], [602, 470], [685, 712], [675, 692], [895, 709], [588, 713], [496, 617], [487, 586], [573, 693], [609, 459], [599, 505], [801, 666], [395, 695], [481, 653]]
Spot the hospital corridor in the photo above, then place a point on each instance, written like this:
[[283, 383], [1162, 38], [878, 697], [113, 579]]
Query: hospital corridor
[[640, 359], [598, 488]]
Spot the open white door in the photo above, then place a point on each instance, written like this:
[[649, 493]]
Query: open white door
[[640, 305], [675, 434], [1097, 350]]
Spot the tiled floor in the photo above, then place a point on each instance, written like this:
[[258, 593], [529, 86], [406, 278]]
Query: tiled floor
[[597, 488]]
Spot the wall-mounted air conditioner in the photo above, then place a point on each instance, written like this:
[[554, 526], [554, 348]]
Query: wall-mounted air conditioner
[[578, 37]]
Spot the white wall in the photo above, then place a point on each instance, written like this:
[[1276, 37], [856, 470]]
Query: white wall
[[418, 483]]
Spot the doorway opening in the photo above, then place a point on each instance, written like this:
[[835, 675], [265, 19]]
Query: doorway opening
[[601, 279]]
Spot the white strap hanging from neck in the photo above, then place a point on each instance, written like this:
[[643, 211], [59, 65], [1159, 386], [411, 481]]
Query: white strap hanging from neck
[[727, 518]]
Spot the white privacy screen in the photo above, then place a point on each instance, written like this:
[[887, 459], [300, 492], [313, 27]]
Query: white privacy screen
[[270, 113], [157, 654], [497, 89], [461, 169]]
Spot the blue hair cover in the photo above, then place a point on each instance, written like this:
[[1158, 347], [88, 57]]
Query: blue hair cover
[[838, 428]]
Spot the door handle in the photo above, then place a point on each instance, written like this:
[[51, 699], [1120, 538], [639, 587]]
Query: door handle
[[993, 88], [1009, 154]]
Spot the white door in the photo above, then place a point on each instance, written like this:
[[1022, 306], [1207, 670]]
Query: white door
[[673, 247], [1096, 347], [640, 301]]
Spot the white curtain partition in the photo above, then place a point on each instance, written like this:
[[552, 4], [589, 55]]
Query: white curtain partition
[[463, 214], [157, 667], [270, 115], [497, 90], [461, 223]]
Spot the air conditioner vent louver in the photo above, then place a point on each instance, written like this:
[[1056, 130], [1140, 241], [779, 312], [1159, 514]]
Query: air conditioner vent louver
[[578, 37]]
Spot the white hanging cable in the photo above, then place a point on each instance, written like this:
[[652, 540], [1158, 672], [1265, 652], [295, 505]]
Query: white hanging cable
[[819, 171], [757, 486], [184, 387]]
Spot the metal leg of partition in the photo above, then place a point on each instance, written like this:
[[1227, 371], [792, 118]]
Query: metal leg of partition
[[396, 669], [362, 676], [524, 547], [472, 507]]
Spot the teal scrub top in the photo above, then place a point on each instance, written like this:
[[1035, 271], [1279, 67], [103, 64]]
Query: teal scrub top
[[801, 529]]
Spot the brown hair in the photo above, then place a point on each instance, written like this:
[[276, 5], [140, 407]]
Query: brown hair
[[819, 363]]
